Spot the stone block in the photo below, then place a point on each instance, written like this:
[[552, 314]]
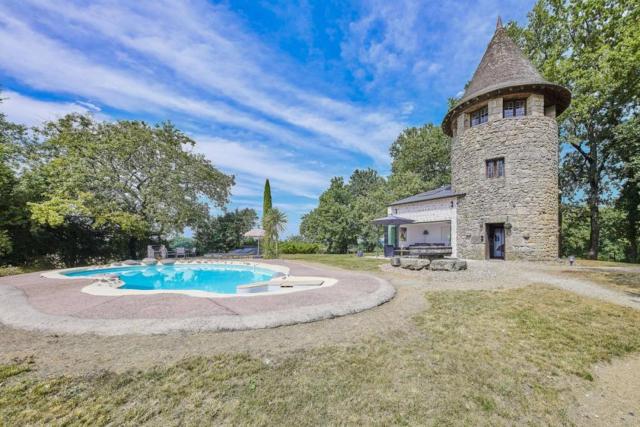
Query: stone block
[[130, 262], [415, 264], [448, 264], [149, 261]]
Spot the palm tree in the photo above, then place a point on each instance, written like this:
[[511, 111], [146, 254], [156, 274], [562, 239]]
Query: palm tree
[[274, 223]]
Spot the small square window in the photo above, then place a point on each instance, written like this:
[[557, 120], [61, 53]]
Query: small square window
[[514, 108], [495, 168], [480, 116]]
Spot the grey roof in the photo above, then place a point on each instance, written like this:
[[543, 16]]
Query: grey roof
[[392, 220], [503, 69], [438, 193]]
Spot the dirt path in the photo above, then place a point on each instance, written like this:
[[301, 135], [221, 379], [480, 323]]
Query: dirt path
[[614, 398], [587, 289]]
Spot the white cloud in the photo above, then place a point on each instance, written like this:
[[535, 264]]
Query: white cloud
[[254, 164], [33, 112]]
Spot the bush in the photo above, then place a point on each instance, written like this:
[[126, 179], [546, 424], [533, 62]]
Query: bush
[[297, 247]]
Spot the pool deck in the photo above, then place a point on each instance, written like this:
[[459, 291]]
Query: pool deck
[[32, 302]]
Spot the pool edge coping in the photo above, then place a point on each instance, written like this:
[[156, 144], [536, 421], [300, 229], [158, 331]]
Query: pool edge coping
[[99, 288]]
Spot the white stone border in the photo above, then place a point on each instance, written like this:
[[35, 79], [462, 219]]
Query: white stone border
[[16, 311], [111, 287]]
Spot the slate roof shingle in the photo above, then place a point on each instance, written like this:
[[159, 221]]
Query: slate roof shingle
[[504, 69], [437, 193]]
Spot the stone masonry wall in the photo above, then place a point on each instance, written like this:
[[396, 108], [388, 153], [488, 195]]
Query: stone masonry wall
[[526, 197]]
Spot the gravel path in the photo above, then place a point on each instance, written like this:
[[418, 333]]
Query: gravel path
[[503, 275]]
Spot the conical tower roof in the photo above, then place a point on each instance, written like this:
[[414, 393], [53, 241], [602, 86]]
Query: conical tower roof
[[504, 69]]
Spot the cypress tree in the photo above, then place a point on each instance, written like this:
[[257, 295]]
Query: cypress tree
[[266, 207], [266, 201]]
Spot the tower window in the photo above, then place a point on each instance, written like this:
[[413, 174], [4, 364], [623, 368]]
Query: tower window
[[495, 168], [480, 116], [515, 108]]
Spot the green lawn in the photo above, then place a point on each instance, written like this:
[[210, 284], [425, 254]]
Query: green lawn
[[473, 358], [346, 261]]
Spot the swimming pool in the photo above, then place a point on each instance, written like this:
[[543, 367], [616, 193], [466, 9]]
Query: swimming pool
[[217, 278]]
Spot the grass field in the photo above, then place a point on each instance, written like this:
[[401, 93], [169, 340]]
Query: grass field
[[473, 358], [346, 261]]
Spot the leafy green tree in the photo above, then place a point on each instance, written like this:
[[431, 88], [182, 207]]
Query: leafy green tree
[[332, 223], [593, 48], [13, 214], [139, 180], [627, 149], [370, 197], [225, 232], [275, 222], [421, 157]]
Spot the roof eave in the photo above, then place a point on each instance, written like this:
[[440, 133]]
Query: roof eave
[[560, 94], [448, 196]]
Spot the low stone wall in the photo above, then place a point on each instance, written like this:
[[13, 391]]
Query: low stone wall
[[441, 264]]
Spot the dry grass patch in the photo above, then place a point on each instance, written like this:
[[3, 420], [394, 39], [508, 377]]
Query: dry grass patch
[[619, 280], [473, 358], [346, 261]]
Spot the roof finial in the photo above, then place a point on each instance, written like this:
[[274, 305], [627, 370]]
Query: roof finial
[[499, 23]]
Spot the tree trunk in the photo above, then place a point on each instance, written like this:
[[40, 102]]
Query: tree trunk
[[630, 198], [594, 199], [594, 215], [133, 248], [560, 240]]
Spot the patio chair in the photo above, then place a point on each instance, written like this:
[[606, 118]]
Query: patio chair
[[180, 252]]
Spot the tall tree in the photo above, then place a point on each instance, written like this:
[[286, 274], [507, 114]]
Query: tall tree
[[421, 160], [627, 149], [592, 47], [332, 223], [140, 180], [267, 205], [13, 213]]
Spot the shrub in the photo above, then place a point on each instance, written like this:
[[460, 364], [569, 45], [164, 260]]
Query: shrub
[[297, 247]]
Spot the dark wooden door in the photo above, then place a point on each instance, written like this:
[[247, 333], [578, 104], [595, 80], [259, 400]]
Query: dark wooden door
[[496, 241]]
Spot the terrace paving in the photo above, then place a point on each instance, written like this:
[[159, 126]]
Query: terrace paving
[[32, 302]]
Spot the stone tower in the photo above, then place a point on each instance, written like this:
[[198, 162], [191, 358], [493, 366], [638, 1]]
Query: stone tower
[[505, 157]]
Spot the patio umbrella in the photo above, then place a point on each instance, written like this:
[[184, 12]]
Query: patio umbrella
[[392, 220], [255, 233]]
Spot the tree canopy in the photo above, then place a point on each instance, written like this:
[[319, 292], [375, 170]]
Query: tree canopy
[[138, 179], [593, 48], [219, 234], [76, 190]]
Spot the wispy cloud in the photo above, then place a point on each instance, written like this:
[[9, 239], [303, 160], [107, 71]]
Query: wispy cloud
[[33, 112], [254, 165]]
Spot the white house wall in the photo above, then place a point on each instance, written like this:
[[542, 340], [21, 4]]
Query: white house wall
[[439, 232], [430, 211]]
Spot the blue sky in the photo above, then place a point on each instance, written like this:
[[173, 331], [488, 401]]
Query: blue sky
[[296, 92]]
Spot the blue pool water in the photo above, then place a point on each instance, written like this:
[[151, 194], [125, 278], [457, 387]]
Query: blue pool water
[[219, 278]]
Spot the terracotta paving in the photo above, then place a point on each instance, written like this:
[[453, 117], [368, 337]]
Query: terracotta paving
[[64, 298]]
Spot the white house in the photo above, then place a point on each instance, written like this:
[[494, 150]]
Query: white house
[[425, 221]]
